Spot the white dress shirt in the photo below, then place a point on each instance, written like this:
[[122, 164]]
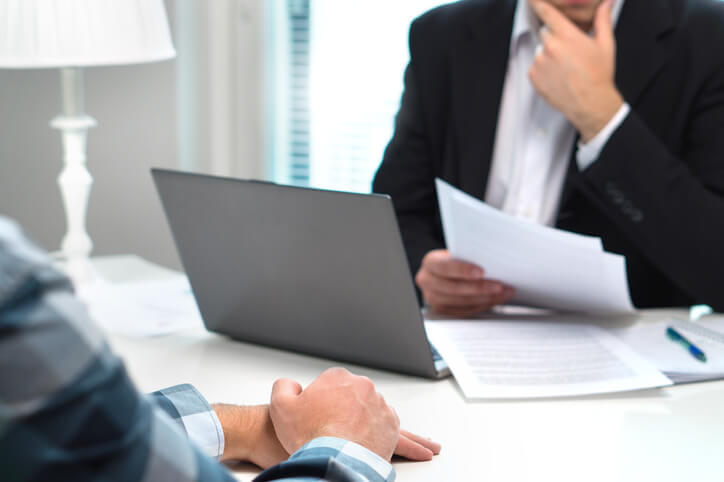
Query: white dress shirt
[[533, 141]]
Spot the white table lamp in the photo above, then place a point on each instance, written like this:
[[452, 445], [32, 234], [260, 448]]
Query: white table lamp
[[71, 35]]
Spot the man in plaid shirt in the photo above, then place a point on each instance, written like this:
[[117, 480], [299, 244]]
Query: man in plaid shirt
[[68, 410]]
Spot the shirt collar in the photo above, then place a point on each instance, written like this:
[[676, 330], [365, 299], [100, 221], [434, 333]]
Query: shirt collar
[[526, 21]]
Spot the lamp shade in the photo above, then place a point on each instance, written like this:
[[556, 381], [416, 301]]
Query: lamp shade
[[82, 33]]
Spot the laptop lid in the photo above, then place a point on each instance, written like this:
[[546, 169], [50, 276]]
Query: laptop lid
[[306, 270]]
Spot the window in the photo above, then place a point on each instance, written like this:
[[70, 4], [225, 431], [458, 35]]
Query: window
[[336, 69]]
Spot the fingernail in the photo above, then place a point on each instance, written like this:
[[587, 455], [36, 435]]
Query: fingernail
[[477, 273]]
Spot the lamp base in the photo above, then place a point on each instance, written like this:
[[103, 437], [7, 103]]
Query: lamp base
[[74, 180], [80, 271]]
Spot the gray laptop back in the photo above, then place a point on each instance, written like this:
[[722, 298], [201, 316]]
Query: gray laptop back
[[306, 270]]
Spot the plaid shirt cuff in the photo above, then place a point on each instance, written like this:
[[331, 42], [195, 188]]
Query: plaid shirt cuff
[[349, 454], [185, 405]]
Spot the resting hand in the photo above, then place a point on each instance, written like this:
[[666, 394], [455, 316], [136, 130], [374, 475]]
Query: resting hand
[[457, 288], [574, 72], [250, 437], [340, 404], [337, 404]]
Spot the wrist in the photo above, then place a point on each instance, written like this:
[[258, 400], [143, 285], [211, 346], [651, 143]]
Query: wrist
[[593, 121], [243, 427]]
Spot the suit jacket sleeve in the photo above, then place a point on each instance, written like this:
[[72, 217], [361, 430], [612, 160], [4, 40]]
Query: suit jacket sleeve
[[671, 205], [407, 173]]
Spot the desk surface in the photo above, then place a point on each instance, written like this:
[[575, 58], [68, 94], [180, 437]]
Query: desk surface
[[671, 434]]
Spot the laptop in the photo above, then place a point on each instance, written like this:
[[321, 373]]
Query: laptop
[[317, 272]]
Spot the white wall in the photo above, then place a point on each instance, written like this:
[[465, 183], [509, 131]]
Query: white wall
[[139, 114]]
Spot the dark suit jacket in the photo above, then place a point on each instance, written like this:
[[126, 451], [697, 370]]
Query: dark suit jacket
[[655, 194]]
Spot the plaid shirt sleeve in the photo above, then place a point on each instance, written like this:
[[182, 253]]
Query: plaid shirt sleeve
[[68, 410], [334, 459], [193, 414]]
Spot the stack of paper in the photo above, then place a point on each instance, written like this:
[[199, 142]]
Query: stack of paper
[[143, 308], [548, 267], [518, 359]]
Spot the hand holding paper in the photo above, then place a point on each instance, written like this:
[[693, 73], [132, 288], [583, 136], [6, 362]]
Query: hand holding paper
[[457, 288], [548, 268]]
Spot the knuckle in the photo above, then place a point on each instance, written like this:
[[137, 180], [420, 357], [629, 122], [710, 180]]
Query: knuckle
[[392, 417], [336, 372], [276, 398], [365, 383], [552, 47], [395, 417], [433, 256], [278, 383], [533, 74], [421, 278]]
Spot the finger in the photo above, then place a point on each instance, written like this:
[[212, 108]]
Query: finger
[[458, 308], [442, 264], [454, 287], [464, 293], [603, 26], [545, 34], [550, 45], [554, 20], [434, 299], [508, 294], [412, 450], [424, 441], [284, 389], [460, 311]]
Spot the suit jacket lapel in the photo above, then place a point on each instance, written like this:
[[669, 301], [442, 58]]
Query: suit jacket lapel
[[478, 73], [642, 48]]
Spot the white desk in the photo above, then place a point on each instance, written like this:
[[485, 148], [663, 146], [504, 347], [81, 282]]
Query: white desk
[[674, 434]]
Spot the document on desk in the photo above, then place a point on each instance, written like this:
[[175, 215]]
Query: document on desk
[[549, 268], [143, 308], [650, 340], [521, 359]]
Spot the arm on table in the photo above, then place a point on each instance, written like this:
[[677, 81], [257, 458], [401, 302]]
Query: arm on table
[[69, 411]]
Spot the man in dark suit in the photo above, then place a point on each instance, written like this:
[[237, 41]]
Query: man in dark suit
[[541, 110]]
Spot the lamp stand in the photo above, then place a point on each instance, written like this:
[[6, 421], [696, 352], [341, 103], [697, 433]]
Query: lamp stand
[[74, 180]]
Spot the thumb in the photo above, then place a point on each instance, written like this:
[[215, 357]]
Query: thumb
[[285, 388], [603, 26]]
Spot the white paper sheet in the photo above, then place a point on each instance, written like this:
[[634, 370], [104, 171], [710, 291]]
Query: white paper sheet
[[548, 267], [143, 308], [650, 340], [514, 359]]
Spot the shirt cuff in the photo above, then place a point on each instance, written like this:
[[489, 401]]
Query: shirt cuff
[[185, 405], [588, 152], [349, 454]]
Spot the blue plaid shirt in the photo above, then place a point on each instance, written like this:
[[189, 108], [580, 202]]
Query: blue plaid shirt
[[68, 410]]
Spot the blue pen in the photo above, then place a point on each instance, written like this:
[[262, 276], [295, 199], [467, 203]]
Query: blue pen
[[690, 347]]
